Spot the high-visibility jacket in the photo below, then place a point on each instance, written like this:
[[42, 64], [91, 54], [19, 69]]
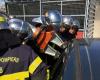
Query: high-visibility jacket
[[21, 63]]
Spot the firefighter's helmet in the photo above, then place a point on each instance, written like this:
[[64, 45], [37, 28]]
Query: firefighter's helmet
[[2, 18], [55, 18], [44, 21], [37, 20], [3, 21], [76, 24], [20, 28], [68, 20]]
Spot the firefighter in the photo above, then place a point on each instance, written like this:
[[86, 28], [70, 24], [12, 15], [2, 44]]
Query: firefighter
[[58, 68], [18, 61], [76, 26], [45, 33], [68, 29], [47, 29], [65, 29]]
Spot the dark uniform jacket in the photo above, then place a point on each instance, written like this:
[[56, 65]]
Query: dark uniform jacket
[[19, 62]]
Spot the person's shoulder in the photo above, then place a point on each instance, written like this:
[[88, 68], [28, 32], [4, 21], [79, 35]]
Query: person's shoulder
[[25, 48], [24, 51]]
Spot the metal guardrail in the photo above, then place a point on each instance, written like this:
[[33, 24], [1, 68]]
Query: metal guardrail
[[83, 10]]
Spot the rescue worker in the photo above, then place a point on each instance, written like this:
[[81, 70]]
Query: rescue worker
[[37, 22], [65, 30], [18, 61], [44, 33], [76, 25], [41, 40], [48, 29], [57, 68], [68, 29]]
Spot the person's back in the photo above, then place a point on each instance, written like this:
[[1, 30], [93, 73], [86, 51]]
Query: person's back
[[18, 61]]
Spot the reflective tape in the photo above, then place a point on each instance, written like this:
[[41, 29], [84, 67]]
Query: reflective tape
[[35, 64], [15, 76], [2, 19], [48, 74]]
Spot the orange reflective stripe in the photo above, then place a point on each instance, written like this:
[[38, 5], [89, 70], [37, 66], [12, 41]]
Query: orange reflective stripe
[[15, 76], [35, 64]]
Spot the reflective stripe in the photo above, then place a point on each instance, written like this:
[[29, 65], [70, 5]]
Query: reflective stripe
[[48, 74], [61, 78], [35, 64], [2, 18], [25, 74], [15, 76]]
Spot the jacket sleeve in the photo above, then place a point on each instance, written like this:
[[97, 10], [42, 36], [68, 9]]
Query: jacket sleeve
[[38, 69]]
